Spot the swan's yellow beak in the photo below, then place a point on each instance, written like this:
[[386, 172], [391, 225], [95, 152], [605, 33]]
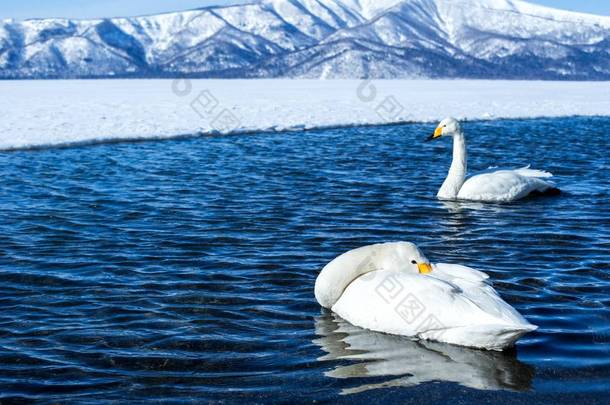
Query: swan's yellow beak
[[424, 268], [438, 132]]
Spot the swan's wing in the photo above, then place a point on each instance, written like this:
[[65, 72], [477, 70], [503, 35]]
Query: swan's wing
[[476, 288], [461, 272], [456, 273], [527, 172], [504, 185]]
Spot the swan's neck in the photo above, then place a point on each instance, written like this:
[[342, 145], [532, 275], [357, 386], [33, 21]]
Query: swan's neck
[[457, 173]]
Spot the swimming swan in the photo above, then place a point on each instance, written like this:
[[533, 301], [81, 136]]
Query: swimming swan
[[393, 288], [496, 186]]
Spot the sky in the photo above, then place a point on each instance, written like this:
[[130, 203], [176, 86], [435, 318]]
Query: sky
[[22, 9]]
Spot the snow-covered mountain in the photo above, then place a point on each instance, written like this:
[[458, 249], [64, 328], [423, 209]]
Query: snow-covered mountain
[[318, 38]]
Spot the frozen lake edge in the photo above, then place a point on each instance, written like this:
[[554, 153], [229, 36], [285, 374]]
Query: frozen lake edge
[[66, 112]]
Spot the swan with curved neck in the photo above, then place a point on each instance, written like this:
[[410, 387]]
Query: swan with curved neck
[[393, 288], [497, 186]]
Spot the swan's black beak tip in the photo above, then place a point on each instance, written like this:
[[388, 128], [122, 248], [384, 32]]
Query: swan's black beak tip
[[430, 138]]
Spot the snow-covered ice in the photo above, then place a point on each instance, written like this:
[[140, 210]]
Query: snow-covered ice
[[41, 113]]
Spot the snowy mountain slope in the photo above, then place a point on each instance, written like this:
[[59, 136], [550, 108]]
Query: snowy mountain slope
[[318, 38]]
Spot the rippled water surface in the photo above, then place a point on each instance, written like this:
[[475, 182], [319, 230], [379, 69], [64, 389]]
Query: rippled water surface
[[183, 270]]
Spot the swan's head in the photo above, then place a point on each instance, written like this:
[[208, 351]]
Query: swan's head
[[447, 127], [412, 259]]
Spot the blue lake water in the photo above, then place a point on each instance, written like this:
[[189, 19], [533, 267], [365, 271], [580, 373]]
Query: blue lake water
[[183, 270]]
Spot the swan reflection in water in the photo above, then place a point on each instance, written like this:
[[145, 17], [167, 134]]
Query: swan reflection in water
[[408, 363], [456, 207]]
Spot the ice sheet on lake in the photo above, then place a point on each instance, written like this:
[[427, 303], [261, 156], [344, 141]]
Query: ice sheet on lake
[[41, 113]]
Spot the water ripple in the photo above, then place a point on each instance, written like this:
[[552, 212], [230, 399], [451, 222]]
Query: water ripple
[[183, 270]]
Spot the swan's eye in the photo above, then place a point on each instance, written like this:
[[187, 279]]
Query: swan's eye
[[413, 262], [444, 126]]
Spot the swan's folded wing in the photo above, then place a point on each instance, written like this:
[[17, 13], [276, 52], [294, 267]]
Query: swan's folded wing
[[527, 172], [475, 288], [458, 272]]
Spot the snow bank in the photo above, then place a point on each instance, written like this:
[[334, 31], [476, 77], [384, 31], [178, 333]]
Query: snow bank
[[43, 113]]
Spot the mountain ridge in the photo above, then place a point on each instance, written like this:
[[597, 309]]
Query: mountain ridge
[[501, 39]]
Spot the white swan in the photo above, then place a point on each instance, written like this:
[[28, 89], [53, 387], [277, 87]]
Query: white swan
[[392, 288], [497, 186]]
